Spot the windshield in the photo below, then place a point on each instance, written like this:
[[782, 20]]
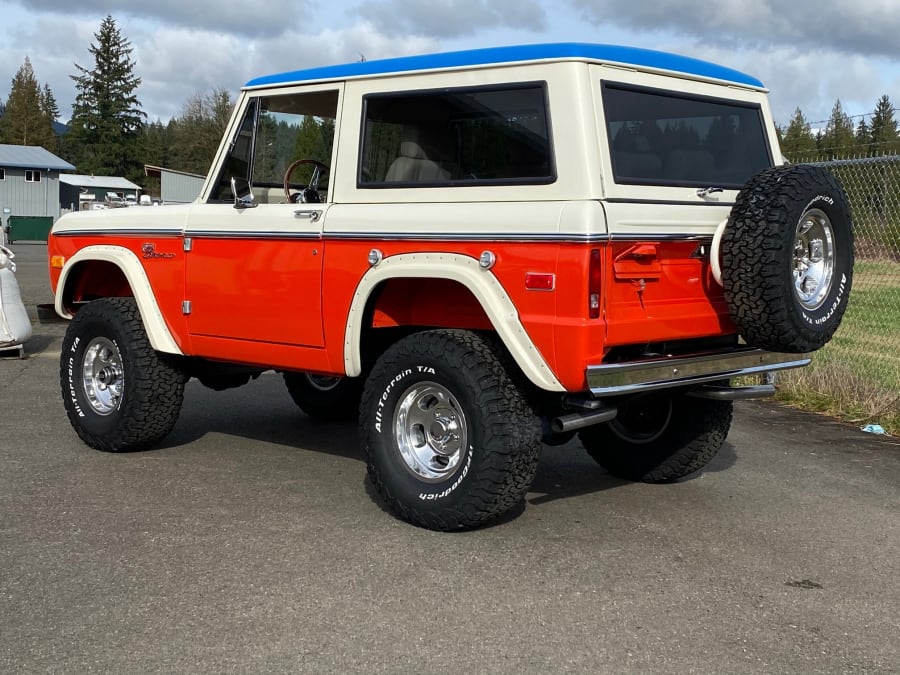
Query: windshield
[[665, 138]]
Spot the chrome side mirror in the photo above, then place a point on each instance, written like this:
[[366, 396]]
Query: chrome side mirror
[[243, 195]]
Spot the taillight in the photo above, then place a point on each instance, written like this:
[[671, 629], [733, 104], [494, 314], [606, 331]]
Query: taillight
[[594, 279]]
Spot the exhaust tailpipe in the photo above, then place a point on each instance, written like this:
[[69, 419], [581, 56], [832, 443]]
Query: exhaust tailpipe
[[579, 420]]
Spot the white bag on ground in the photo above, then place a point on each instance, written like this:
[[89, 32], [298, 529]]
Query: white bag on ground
[[15, 326]]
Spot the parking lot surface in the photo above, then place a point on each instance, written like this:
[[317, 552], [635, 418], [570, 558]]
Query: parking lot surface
[[251, 541]]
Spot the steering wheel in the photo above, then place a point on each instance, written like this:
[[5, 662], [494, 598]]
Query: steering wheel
[[309, 194]]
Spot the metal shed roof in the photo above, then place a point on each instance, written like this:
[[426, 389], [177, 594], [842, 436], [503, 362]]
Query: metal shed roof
[[612, 54], [105, 182], [31, 157], [157, 171]]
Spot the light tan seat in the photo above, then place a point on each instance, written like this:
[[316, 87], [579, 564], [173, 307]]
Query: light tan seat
[[413, 165]]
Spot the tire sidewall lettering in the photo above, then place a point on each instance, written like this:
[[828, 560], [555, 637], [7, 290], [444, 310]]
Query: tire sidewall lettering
[[831, 308], [818, 198], [76, 393], [433, 496], [383, 424], [70, 374], [386, 393], [819, 318]]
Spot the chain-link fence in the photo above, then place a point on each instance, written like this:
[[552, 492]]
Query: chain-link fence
[[857, 375]]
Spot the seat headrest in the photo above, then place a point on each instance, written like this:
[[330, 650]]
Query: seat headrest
[[412, 150]]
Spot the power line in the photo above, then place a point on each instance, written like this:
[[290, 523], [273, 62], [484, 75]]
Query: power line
[[853, 117]]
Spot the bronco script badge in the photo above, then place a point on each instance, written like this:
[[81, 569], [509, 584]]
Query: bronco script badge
[[149, 251]]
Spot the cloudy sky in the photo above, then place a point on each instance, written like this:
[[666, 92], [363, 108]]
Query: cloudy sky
[[808, 52]]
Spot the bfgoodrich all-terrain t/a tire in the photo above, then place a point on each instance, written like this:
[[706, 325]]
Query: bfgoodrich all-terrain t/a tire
[[659, 437], [787, 258], [449, 439], [118, 392]]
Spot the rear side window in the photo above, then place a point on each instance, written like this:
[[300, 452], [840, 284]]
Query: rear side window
[[663, 138], [455, 137]]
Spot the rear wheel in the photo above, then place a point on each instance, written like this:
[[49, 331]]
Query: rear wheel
[[449, 439], [659, 438], [118, 392]]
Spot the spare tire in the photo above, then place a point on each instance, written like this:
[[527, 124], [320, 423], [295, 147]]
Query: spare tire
[[787, 258]]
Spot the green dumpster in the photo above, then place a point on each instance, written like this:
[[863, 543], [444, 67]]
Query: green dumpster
[[29, 228]]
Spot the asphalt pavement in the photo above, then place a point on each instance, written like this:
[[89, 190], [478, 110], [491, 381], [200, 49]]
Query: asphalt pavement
[[251, 541]]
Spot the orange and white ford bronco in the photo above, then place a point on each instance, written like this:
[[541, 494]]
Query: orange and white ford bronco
[[474, 254]]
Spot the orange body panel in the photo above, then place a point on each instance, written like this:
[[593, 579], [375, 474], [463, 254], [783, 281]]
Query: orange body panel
[[428, 302], [255, 290], [668, 295], [285, 304], [91, 279], [537, 309]]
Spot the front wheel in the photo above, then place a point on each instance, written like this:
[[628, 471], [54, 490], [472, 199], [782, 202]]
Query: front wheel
[[118, 392], [659, 438], [450, 440], [324, 398]]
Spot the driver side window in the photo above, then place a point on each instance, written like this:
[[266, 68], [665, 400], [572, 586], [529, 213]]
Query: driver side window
[[276, 132]]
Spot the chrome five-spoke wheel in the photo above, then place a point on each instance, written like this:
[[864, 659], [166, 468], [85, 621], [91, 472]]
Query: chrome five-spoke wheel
[[103, 376], [431, 432], [813, 259]]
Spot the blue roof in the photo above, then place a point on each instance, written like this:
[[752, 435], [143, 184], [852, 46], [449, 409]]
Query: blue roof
[[630, 56], [32, 157]]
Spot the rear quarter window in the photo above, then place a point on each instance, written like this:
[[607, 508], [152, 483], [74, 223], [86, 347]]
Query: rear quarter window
[[665, 138]]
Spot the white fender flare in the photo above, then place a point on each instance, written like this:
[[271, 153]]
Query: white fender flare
[[157, 332], [481, 283]]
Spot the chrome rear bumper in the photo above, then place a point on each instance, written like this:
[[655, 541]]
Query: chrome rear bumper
[[678, 371]]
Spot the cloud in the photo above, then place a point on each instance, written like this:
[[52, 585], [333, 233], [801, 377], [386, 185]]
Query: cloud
[[229, 61], [787, 73], [848, 26], [175, 62], [808, 53], [451, 18], [231, 16]]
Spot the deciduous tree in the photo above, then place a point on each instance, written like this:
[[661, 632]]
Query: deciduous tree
[[196, 134]]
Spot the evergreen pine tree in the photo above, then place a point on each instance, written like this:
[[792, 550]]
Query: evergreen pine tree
[[839, 137], [50, 112], [883, 130], [107, 119], [797, 142], [863, 134], [49, 106], [24, 122]]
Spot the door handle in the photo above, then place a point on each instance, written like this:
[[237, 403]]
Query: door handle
[[311, 216]]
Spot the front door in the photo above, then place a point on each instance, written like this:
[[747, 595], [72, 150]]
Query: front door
[[253, 270], [255, 273]]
